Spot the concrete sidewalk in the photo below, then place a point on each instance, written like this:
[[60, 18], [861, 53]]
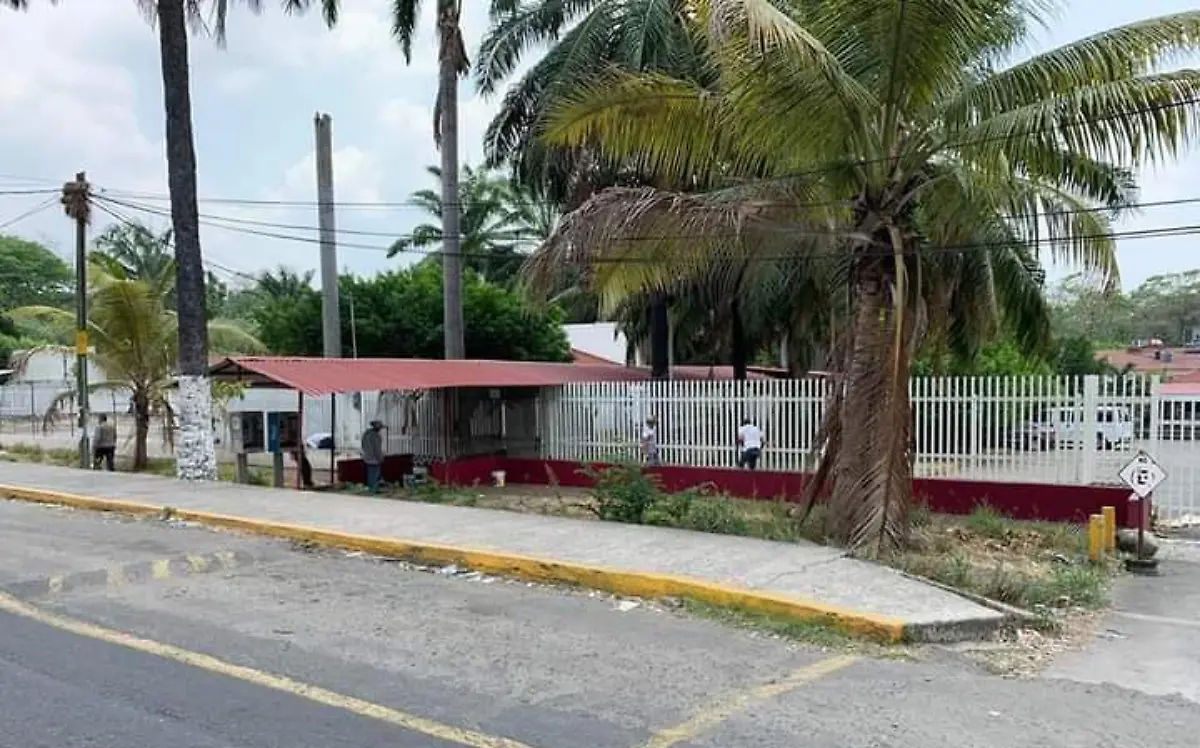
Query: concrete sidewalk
[[800, 579]]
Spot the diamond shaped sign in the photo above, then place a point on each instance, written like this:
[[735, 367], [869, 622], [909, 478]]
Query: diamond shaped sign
[[1143, 474]]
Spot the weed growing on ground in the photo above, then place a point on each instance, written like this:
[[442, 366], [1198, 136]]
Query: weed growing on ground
[[988, 522], [821, 633], [624, 493]]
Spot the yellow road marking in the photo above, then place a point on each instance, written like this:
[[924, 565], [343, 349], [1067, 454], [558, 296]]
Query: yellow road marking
[[161, 569], [114, 576], [55, 583], [198, 563], [720, 711], [227, 559], [316, 694]]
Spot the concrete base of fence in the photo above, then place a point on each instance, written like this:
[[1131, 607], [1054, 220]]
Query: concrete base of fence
[[1023, 501]]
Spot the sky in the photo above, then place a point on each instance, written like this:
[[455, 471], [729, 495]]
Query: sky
[[80, 89]]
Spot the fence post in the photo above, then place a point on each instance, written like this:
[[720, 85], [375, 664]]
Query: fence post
[[1155, 402], [973, 404], [1087, 429]]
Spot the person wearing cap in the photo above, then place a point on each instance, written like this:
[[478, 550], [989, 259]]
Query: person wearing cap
[[372, 453], [650, 441]]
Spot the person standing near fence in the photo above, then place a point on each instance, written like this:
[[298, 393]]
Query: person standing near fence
[[104, 445], [372, 454], [650, 441], [750, 441]]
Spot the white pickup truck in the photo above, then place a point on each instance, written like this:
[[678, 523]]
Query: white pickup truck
[[1113, 427]]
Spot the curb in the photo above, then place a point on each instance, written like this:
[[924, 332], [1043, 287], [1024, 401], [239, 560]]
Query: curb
[[631, 583]]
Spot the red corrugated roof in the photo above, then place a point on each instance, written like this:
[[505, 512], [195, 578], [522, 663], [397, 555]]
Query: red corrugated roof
[[325, 376]]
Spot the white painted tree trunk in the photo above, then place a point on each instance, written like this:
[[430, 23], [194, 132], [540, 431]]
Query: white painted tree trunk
[[196, 455]]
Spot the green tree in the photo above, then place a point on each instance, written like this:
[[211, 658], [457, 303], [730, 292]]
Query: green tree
[[132, 251], [496, 221], [891, 148], [1167, 307], [399, 315], [582, 39], [135, 338], [1084, 308], [30, 274]]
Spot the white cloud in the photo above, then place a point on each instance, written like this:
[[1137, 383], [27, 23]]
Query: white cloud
[[80, 89], [357, 177], [239, 81]]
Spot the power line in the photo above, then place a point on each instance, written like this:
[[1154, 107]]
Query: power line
[[817, 169], [42, 191], [401, 236], [1134, 234], [31, 212], [125, 220]]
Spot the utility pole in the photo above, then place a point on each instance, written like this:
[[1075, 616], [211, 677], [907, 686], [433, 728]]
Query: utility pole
[[331, 327], [76, 196]]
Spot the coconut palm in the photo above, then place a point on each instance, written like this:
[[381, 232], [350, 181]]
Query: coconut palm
[[497, 218], [892, 135], [136, 342], [133, 251], [583, 37], [196, 458]]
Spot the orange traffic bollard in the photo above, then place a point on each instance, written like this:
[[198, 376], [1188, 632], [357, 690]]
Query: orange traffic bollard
[[1110, 528], [1095, 537]]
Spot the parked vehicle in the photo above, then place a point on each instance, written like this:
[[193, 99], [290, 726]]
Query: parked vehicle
[[1113, 428], [1033, 436]]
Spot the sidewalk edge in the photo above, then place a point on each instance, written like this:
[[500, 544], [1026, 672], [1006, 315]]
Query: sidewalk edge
[[631, 583]]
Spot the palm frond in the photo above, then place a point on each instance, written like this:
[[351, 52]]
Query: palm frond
[[1122, 53]]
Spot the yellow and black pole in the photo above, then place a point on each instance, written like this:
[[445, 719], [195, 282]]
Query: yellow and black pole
[[76, 196]]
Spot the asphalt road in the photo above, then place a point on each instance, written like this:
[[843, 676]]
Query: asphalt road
[[117, 633]]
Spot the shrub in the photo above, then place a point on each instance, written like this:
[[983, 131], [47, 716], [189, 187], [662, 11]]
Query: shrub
[[624, 493]]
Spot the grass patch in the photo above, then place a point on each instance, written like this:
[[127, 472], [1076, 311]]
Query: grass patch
[[819, 633], [1040, 566]]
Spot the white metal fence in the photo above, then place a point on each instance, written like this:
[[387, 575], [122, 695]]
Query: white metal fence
[[24, 405], [1056, 430]]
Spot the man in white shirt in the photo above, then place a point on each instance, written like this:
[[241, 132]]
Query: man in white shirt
[[750, 440]]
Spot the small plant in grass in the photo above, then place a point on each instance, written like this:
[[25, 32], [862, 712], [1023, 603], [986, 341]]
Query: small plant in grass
[[988, 522], [623, 493]]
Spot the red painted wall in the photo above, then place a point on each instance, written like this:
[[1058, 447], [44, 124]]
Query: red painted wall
[[395, 467], [1031, 501]]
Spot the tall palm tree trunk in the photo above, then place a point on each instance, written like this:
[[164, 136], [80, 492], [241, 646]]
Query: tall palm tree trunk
[[141, 420], [196, 458], [449, 66], [660, 335], [739, 352], [865, 474]]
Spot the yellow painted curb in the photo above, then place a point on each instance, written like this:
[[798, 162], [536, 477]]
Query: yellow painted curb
[[632, 583]]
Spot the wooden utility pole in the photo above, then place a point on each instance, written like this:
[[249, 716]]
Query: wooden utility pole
[[331, 324], [76, 196]]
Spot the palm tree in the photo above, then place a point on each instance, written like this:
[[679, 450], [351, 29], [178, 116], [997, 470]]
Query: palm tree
[[284, 283], [496, 219], [891, 135], [585, 37], [452, 64], [133, 251], [136, 340], [197, 457]]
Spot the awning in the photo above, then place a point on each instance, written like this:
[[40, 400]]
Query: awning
[[326, 376]]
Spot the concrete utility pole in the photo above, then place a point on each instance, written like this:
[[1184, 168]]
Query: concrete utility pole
[[331, 326], [76, 196]]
